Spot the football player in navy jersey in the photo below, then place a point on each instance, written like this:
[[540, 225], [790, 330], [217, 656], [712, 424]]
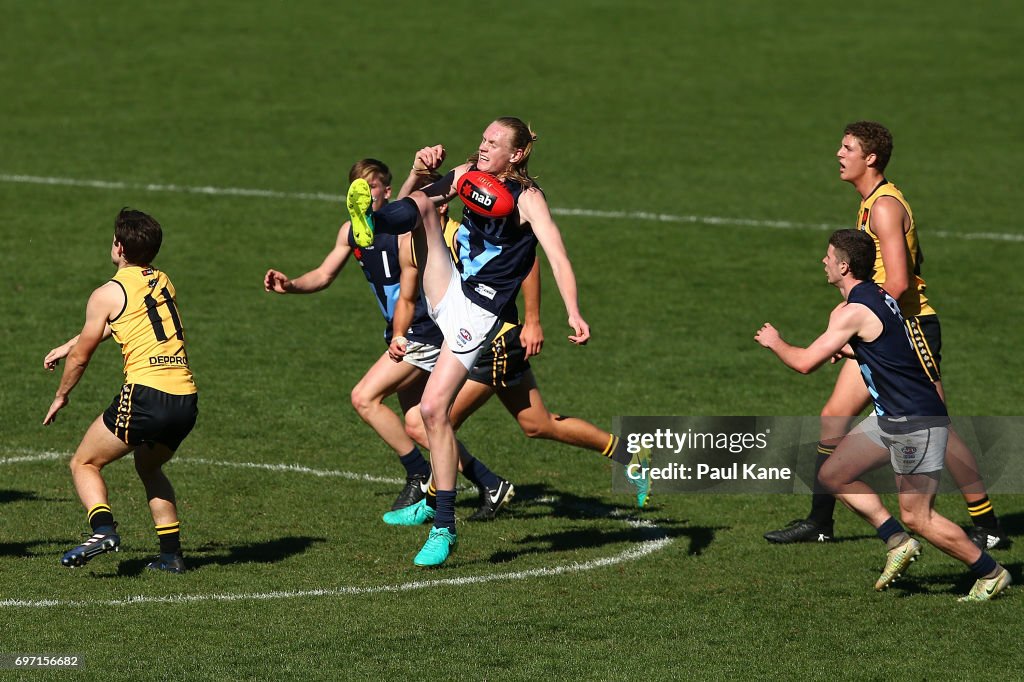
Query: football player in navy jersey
[[380, 264], [910, 426], [466, 298], [503, 369], [885, 214]]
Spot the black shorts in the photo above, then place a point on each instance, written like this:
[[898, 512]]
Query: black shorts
[[141, 414], [504, 363], [926, 338]]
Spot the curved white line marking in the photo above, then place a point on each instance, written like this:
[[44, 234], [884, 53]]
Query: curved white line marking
[[586, 212], [642, 549]]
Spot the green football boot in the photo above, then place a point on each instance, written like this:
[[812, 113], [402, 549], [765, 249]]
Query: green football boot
[[440, 543], [358, 202]]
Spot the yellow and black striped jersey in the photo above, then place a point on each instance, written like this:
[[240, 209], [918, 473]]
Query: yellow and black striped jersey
[[913, 302], [150, 332]]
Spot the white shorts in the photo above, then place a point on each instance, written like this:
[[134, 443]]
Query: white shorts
[[467, 327], [421, 355], [918, 452]]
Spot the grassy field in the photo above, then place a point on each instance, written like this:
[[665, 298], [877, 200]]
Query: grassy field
[[687, 150]]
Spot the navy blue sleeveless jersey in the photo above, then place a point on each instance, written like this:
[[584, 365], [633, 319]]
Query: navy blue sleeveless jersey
[[379, 262], [891, 369], [494, 255]]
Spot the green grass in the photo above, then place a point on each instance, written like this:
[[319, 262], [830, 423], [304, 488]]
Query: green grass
[[705, 109]]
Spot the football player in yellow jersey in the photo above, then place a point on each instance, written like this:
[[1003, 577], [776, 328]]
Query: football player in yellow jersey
[[157, 406], [885, 214]]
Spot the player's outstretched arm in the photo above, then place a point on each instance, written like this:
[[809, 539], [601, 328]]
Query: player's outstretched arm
[[533, 208], [314, 280], [57, 354], [104, 303], [844, 323]]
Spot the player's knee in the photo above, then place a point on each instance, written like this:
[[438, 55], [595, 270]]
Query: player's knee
[[143, 467], [831, 479], [534, 427], [414, 429], [82, 459], [362, 401], [434, 412], [913, 520], [423, 203]]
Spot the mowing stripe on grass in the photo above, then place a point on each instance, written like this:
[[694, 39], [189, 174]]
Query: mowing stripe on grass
[[584, 212]]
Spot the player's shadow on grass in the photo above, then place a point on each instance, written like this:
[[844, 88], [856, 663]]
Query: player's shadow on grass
[[269, 552], [7, 496], [23, 549], [1013, 524], [592, 538], [956, 583], [539, 500]]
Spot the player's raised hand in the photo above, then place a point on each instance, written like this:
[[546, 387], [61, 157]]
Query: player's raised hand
[[581, 329], [429, 158], [275, 281]]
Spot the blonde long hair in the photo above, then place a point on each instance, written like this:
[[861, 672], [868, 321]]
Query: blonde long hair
[[523, 138]]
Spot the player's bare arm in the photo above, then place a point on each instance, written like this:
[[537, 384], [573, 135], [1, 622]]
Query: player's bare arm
[[104, 303], [889, 222], [844, 323], [408, 293], [532, 335], [533, 209], [314, 280], [57, 354]]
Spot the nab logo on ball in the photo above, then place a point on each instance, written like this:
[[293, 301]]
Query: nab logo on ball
[[484, 194]]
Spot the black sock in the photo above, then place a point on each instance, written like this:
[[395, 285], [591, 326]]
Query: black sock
[[616, 450], [445, 517], [823, 503], [982, 513], [984, 566], [476, 471], [100, 517], [431, 496], [889, 528], [396, 217], [414, 463], [170, 537]]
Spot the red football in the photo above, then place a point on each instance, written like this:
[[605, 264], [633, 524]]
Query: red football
[[484, 194]]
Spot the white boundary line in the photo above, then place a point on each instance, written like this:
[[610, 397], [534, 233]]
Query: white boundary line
[[642, 549], [585, 212]]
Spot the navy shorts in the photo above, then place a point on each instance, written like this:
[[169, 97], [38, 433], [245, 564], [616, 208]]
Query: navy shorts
[[140, 414], [926, 338], [503, 363]]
